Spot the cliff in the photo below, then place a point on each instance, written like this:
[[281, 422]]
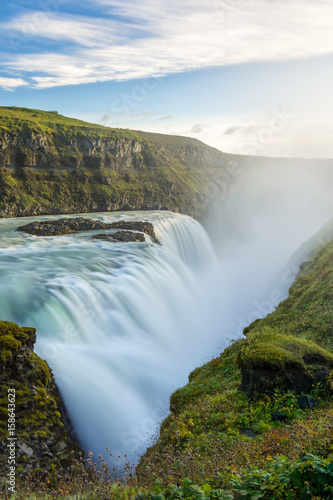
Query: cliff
[[32, 413], [51, 164]]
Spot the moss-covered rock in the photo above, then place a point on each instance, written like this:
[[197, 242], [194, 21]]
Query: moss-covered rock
[[31, 410], [269, 359]]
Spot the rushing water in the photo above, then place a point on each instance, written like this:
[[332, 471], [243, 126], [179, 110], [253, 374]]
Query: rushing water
[[121, 324]]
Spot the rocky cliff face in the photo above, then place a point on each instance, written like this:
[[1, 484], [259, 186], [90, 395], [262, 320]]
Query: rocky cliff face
[[51, 164], [34, 150], [32, 413]]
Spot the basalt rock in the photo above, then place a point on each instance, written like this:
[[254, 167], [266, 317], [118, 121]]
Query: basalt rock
[[31, 408], [62, 226], [144, 227], [123, 236], [74, 225]]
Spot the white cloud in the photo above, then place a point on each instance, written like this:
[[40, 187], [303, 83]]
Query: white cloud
[[81, 30], [198, 128], [243, 129], [165, 118], [11, 83], [155, 38]]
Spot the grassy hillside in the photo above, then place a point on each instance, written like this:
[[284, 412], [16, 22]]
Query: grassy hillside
[[50, 164], [16, 120]]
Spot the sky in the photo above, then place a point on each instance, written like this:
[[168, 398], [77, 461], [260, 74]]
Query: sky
[[244, 76]]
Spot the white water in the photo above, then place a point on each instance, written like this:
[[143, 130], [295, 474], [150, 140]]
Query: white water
[[121, 324]]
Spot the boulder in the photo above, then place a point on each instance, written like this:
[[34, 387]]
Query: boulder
[[270, 360]]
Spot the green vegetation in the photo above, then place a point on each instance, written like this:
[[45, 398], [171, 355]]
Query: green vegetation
[[270, 360], [16, 120], [53, 164], [278, 351], [30, 398]]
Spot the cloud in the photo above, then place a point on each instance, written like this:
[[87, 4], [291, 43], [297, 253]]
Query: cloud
[[244, 129], [11, 83], [153, 38], [105, 119], [198, 128], [80, 30], [166, 117]]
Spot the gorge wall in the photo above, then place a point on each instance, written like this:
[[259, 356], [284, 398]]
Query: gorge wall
[[51, 164]]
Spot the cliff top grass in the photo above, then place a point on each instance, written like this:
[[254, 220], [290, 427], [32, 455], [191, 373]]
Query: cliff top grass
[[17, 120]]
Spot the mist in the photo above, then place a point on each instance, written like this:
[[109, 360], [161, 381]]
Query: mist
[[269, 209]]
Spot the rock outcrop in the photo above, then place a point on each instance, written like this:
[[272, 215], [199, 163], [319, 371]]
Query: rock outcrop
[[74, 225], [32, 412], [123, 236], [269, 360]]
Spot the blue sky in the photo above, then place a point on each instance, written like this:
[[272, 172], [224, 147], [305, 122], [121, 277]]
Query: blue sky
[[245, 76]]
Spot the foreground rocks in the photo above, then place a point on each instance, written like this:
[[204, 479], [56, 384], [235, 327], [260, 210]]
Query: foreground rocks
[[270, 360], [37, 414], [74, 225]]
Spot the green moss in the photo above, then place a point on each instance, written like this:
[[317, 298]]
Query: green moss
[[37, 402], [269, 348], [11, 339]]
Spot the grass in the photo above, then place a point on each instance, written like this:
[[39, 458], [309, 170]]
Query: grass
[[16, 120]]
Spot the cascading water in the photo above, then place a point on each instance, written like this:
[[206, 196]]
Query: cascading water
[[123, 324], [120, 324]]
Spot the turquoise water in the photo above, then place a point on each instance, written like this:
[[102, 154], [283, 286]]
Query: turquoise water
[[120, 324]]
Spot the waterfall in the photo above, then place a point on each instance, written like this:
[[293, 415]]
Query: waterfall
[[120, 324]]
